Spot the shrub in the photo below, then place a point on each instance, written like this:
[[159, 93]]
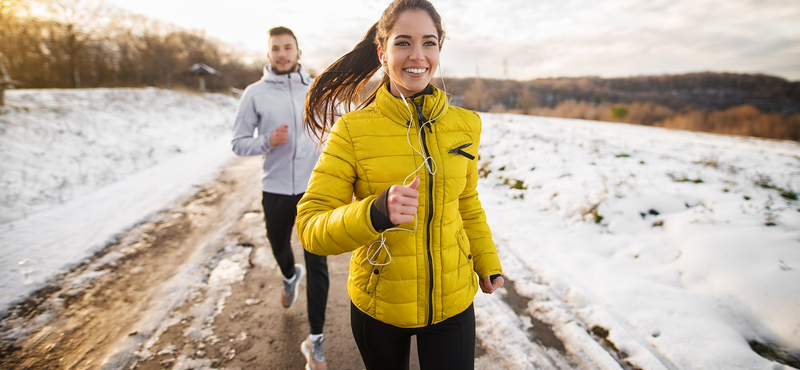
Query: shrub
[[619, 112]]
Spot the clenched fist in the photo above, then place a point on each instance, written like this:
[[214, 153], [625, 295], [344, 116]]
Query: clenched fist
[[280, 136], [403, 201]]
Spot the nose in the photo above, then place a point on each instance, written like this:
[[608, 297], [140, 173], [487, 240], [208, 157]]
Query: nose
[[416, 53]]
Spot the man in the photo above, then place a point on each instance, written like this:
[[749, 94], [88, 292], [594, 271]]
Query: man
[[269, 123]]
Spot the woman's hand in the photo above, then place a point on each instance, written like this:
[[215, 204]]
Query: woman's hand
[[488, 286], [403, 201]]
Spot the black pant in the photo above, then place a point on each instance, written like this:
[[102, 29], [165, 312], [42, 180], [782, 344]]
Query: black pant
[[280, 212], [449, 344]]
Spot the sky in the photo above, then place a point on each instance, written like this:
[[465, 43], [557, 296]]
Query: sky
[[524, 39], [659, 236]]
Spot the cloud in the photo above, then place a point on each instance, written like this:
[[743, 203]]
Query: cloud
[[625, 37], [531, 39]]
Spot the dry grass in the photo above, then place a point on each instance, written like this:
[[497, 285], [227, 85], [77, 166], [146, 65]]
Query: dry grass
[[744, 120]]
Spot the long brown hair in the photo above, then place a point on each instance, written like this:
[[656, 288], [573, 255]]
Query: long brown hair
[[340, 87]]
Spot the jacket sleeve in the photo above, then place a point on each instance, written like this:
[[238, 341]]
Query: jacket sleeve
[[482, 247], [328, 220], [244, 126]]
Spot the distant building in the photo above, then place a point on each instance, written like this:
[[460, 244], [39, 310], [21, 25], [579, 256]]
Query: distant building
[[201, 70]]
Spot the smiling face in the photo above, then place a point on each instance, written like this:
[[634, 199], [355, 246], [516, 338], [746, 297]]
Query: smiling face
[[283, 54], [411, 52]]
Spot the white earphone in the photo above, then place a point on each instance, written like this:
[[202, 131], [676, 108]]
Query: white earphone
[[373, 251]]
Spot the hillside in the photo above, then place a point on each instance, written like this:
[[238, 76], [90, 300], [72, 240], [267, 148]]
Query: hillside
[[707, 90], [728, 103]]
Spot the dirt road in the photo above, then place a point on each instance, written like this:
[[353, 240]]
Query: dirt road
[[196, 287], [151, 300]]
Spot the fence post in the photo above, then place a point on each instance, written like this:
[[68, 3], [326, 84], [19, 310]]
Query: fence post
[[5, 80]]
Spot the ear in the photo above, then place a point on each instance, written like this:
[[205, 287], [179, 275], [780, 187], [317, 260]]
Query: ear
[[381, 56], [299, 54]]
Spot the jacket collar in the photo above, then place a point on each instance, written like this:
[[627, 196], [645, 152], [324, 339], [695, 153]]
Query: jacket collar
[[434, 105], [301, 75]]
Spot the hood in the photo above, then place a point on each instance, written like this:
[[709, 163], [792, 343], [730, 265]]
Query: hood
[[301, 74]]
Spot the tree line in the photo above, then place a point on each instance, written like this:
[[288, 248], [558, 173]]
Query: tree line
[[729, 103], [85, 43]]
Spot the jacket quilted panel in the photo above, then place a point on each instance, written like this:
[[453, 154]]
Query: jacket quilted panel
[[430, 268]]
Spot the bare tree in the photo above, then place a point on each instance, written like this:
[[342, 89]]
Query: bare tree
[[8, 10], [475, 96], [13, 27], [82, 43], [74, 24]]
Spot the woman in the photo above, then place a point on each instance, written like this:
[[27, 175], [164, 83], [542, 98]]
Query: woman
[[396, 186]]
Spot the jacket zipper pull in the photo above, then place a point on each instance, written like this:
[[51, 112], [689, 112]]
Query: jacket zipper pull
[[459, 150], [421, 116]]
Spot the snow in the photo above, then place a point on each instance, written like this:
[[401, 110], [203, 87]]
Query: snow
[[687, 270], [79, 167], [679, 245]]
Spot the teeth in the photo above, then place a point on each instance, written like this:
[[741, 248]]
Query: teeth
[[415, 70]]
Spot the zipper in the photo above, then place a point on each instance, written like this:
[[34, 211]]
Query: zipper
[[421, 118], [460, 151], [293, 128]]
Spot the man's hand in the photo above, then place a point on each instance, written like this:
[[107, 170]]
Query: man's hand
[[403, 202], [279, 137]]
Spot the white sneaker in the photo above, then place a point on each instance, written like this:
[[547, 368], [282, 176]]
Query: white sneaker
[[290, 289], [314, 351]]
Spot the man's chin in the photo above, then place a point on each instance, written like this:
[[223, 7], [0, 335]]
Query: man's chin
[[284, 70]]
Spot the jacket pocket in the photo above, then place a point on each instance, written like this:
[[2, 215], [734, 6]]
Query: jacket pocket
[[457, 162], [464, 247], [460, 150], [374, 278]]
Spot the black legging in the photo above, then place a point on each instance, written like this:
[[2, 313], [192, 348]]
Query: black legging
[[447, 345], [280, 212]]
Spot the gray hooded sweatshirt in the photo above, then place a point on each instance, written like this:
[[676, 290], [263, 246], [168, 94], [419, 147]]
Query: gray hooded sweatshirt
[[273, 101]]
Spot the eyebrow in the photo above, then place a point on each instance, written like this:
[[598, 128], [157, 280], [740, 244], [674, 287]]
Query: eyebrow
[[408, 37]]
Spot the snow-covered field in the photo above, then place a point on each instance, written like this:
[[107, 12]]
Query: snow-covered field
[[680, 249], [78, 167], [683, 246]]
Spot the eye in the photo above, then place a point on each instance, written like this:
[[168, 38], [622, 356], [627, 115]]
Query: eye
[[402, 43], [430, 43]]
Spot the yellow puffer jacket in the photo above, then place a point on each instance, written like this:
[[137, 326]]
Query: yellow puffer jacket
[[430, 275]]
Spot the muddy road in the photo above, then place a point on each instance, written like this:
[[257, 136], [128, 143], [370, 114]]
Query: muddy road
[[196, 287], [166, 296]]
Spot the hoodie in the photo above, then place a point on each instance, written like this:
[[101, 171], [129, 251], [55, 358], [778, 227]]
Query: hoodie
[[267, 104]]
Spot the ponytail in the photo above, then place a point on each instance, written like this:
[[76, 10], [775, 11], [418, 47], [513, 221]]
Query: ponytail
[[338, 89]]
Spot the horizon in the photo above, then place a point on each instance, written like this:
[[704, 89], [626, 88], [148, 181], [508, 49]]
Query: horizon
[[517, 40], [632, 76]]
